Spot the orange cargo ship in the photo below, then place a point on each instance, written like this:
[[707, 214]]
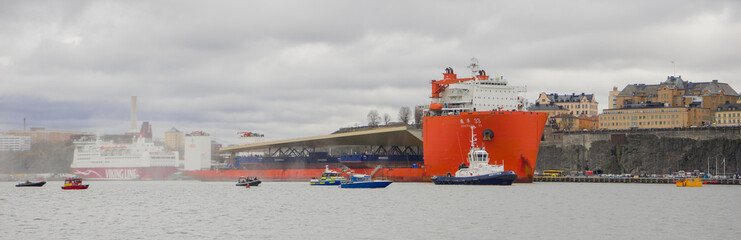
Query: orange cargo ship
[[511, 137]]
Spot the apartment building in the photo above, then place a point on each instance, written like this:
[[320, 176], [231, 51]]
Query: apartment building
[[653, 115], [728, 115], [552, 109], [577, 104], [675, 92]]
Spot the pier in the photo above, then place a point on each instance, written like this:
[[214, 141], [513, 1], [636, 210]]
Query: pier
[[631, 180]]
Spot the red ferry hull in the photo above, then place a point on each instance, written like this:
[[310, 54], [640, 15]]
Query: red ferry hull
[[515, 141], [125, 173]]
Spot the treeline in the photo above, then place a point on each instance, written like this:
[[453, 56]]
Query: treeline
[[44, 157], [404, 116]]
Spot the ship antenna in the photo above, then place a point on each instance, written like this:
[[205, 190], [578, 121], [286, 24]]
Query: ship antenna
[[474, 67]]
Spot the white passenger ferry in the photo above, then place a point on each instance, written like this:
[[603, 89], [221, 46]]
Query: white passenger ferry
[[96, 159]]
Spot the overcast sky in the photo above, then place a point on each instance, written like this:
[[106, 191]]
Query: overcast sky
[[292, 69]]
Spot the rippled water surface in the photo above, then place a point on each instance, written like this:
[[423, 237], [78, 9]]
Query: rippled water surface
[[293, 210]]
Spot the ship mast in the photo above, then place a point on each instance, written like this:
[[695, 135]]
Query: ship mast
[[474, 68]]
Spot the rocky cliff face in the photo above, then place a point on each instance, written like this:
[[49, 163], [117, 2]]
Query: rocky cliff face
[[648, 152]]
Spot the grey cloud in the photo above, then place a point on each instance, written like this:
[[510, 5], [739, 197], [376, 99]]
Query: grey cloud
[[298, 68]]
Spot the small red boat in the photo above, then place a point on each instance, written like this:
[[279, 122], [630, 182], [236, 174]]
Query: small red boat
[[74, 184]]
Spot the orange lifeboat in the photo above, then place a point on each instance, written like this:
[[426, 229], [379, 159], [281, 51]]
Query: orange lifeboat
[[436, 106]]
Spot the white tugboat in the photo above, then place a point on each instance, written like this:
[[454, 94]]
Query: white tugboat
[[479, 171]]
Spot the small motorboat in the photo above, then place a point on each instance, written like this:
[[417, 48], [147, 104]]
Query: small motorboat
[[480, 172], [329, 178], [252, 182], [74, 184], [31, 184], [364, 181]]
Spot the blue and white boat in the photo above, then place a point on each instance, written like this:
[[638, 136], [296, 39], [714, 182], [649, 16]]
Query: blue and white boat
[[364, 181], [243, 181], [479, 171], [329, 178]]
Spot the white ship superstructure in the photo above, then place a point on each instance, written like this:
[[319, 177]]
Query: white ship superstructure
[[250, 138], [106, 160], [478, 93]]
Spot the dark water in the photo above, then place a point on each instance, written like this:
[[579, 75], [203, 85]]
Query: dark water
[[280, 210]]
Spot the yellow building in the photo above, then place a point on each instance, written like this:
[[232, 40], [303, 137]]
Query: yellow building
[[589, 123], [613, 98], [653, 115], [728, 115], [568, 122], [174, 140], [675, 92], [577, 104]]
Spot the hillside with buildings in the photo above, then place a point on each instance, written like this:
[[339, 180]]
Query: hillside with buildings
[[648, 128]]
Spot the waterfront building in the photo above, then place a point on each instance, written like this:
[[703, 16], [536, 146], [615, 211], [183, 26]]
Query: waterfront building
[[14, 143], [197, 151], [552, 109], [589, 123], [174, 140], [728, 115], [653, 115], [675, 92], [215, 147], [38, 135], [613, 98], [577, 104], [568, 122]]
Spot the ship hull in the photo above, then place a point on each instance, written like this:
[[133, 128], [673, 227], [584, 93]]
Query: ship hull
[[254, 183], [33, 184], [510, 137], [503, 178], [75, 187], [372, 184], [125, 173], [515, 141]]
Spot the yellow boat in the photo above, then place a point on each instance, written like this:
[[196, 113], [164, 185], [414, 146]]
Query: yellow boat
[[690, 182]]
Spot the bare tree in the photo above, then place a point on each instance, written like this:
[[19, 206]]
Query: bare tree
[[404, 115], [386, 119], [373, 118]]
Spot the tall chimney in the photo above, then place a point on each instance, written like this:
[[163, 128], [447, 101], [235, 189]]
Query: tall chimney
[[133, 129]]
